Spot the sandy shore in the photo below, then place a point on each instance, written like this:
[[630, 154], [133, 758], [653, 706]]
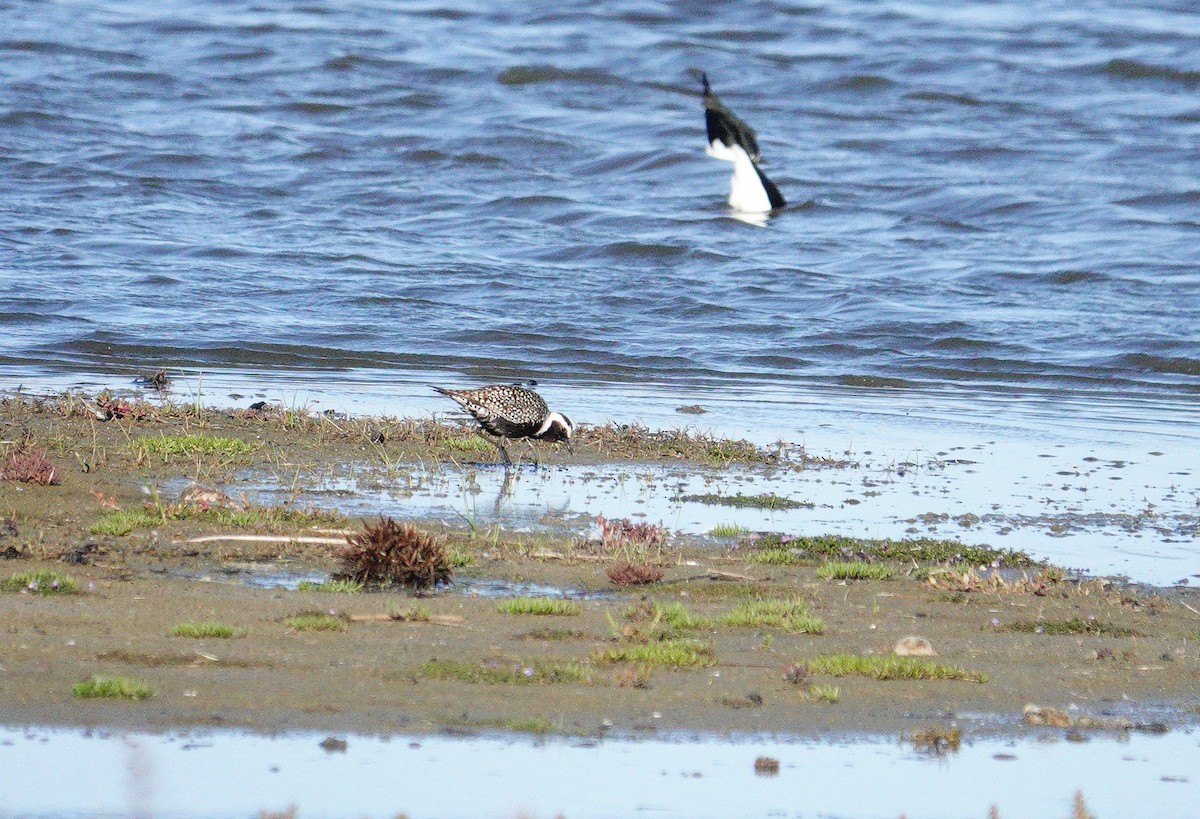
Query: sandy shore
[[1117, 655]]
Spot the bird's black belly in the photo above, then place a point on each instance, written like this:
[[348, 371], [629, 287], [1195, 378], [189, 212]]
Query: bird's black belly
[[507, 429]]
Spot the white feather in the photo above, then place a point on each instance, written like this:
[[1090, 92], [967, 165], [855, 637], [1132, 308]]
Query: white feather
[[746, 194]]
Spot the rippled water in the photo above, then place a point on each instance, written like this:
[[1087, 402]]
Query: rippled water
[[1003, 196]]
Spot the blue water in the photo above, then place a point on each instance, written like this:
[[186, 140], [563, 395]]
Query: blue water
[[994, 228], [227, 774], [1002, 197]]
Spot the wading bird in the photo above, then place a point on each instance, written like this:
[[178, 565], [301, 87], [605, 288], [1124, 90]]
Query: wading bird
[[731, 139], [509, 411]]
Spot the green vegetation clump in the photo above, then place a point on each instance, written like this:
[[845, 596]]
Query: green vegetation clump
[[727, 530], [1076, 625], [789, 615], [340, 586], [103, 687], [539, 606], [505, 672], [315, 621], [678, 617], [825, 693], [766, 500], [775, 556], [206, 628], [889, 667], [673, 653], [415, 613], [168, 445], [467, 443], [854, 570], [772, 548], [43, 581], [120, 522]]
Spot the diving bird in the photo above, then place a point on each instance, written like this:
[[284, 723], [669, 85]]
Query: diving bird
[[731, 139], [509, 411]]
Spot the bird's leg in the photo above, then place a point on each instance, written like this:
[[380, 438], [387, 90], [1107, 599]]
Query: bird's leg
[[532, 453], [496, 443], [506, 488], [503, 454]]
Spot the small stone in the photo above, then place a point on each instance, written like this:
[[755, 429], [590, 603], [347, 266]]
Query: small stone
[[913, 646], [333, 745]]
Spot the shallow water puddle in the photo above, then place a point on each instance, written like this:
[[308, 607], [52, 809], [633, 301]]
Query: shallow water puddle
[[272, 577], [219, 774], [1105, 515]]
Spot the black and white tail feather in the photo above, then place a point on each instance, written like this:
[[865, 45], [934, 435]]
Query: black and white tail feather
[[731, 139], [512, 412]]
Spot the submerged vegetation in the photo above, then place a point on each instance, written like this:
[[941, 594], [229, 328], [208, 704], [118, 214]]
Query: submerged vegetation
[[784, 549], [341, 586], [766, 500]]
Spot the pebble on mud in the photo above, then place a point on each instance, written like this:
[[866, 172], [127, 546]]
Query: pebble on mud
[[913, 646]]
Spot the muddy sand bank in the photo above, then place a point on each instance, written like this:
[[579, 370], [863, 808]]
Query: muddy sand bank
[[750, 632]]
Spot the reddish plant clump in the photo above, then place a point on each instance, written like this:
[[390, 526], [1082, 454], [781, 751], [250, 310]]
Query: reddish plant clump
[[390, 552], [29, 466], [624, 573], [623, 530]]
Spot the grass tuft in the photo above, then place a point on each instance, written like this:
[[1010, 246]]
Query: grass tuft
[[789, 615], [120, 522], [315, 621], [539, 606], [506, 672], [727, 530], [854, 570], [43, 581], [674, 653], [206, 628], [825, 693], [1076, 625], [888, 667], [168, 445], [103, 687], [414, 613]]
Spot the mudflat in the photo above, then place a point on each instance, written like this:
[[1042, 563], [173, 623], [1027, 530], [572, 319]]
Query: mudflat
[[762, 632]]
